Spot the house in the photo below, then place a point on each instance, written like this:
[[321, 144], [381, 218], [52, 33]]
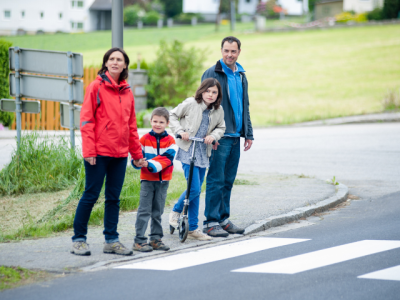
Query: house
[[330, 8], [209, 8], [20, 16]]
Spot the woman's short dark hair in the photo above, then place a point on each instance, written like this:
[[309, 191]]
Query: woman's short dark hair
[[125, 72], [207, 83]]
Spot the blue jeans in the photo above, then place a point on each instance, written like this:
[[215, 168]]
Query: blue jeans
[[224, 163], [194, 197], [114, 171]]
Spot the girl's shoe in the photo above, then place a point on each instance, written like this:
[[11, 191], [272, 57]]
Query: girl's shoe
[[198, 235], [173, 218]]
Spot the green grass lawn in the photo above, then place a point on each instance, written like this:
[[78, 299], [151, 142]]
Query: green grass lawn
[[293, 76]]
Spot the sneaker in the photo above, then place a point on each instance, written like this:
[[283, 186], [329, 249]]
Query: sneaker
[[158, 245], [173, 218], [215, 231], [80, 248], [198, 235], [144, 247], [231, 228], [116, 248]]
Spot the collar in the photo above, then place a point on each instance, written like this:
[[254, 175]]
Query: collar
[[224, 67], [107, 77], [160, 135]]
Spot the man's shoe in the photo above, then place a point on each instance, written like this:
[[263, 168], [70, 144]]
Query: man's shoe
[[142, 247], [173, 218], [198, 235], [80, 248], [116, 248], [232, 229], [158, 245], [215, 231]]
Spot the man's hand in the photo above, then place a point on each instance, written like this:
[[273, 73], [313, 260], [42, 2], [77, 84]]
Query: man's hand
[[185, 136], [215, 146], [91, 160], [208, 140], [247, 144]]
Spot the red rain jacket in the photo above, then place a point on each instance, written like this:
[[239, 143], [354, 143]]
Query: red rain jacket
[[108, 120]]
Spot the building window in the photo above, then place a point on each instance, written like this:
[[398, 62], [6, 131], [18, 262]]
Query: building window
[[79, 25], [60, 15], [75, 3], [76, 25], [41, 15], [23, 14], [80, 3], [7, 14]]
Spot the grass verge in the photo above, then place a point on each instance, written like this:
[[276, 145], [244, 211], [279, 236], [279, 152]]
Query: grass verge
[[11, 277]]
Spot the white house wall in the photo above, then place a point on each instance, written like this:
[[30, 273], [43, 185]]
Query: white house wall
[[247, 6], [200, 6], [361, 6], [294, 7], [51, 21]]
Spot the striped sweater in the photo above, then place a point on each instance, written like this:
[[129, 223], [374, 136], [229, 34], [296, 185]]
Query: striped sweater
[[159, 151]]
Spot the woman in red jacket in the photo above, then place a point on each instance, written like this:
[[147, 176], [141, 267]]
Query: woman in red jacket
[[109, 132]]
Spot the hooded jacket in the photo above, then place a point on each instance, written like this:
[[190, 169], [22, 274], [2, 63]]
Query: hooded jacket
[[108, 120]]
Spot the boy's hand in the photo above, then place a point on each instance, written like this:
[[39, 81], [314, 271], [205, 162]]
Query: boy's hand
[[139, 162], [185, 136], [208, 140]]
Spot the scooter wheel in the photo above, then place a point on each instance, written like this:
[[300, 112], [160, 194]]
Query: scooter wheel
[[183, 229], [171, 229]]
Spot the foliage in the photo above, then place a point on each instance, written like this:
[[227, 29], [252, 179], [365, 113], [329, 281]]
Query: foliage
[[348, 16], [131, 14], [391, 9], [6, 118], [140, 117], [391, 101], [186, 18], [143, 65], [375, 15], [174, 74], [40, 165], [151, 17], [270, 9], [172, 7], [332, 181], [10, 276]]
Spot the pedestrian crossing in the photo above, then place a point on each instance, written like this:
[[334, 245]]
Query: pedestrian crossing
[[290, 265]]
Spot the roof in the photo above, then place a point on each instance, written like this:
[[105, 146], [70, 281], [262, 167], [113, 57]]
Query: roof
[[327, 1], [101, 5]]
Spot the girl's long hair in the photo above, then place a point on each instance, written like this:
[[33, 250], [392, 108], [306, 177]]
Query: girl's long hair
[[207, 83], [125, 72]]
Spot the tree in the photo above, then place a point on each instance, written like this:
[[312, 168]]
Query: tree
[[172, 7], [391, 9]]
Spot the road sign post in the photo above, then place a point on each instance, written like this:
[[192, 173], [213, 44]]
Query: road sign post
[[17, 95]]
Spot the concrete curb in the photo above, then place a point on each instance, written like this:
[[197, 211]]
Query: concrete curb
[[303, 212]]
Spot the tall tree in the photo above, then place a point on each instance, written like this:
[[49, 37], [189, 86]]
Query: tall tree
[[172, 7]]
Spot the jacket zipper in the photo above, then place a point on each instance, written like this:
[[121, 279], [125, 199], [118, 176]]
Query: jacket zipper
[[120, 123], [158, 153]]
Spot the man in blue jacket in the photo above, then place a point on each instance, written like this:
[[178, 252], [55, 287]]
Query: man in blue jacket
[[224, 160]]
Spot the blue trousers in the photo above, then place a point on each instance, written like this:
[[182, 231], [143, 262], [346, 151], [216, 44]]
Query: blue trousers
[[194, 197], [221, 175], [113, 169]]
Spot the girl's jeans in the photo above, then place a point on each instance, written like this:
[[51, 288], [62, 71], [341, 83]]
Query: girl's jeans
[[194, 197], [114, 171]]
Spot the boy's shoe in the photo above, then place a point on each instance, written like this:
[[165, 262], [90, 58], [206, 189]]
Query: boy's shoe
[[80, 248], [231, 228], [158, 245], [173, 218], [116, 248], [144, 247], [215, 231], [198, 235]]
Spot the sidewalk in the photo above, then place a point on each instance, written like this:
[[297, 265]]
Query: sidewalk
[[269, 200]]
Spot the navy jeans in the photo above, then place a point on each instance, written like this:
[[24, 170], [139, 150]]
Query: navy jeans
[[224, 163], [194, 197], [114, 171]]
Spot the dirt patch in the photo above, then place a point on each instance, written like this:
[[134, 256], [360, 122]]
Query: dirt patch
[[15, 211]]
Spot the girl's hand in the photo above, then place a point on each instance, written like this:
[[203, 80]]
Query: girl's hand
[[91, 160], [185, 136], [208, 140]]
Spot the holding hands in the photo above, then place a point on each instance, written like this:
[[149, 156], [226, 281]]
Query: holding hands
[[141, 163]]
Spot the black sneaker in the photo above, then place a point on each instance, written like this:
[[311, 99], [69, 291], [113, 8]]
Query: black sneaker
[[215, 231], [232, 229]]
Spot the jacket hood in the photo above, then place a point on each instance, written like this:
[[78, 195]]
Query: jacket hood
[[107, 78]]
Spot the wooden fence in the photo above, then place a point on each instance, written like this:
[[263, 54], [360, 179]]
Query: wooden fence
[[49, 117]]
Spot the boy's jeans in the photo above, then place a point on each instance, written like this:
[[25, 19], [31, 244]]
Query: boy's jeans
[[194, 197], [221, 175], [114, 171], [152, 203]]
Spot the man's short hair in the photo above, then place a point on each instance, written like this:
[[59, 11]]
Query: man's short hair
[[230, 40], [161, 112]]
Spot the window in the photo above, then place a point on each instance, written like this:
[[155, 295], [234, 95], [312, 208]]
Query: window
[[80, 3], [7, 14], [60, 15], [76, 25], [75, 3], [23, 14], [79, 25], [41, 15]]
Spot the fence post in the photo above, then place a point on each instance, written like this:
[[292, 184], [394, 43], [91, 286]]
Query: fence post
[[71, 100], [18, 102]]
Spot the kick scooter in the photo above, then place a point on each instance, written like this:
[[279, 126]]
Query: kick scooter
[[183, 224]]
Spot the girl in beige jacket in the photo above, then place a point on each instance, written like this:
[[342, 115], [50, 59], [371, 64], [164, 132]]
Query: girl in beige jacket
[[200, 116]]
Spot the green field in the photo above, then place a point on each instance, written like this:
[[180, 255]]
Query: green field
[[293, 76]]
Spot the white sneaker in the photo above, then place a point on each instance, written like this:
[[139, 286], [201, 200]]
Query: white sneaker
[[173, 218], [198, 235]]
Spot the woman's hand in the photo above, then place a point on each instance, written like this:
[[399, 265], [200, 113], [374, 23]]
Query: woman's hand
[[91, 160], [185, 136], [209, 139]]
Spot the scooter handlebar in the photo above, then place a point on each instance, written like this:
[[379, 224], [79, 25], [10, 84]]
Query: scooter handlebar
[[178, 136]]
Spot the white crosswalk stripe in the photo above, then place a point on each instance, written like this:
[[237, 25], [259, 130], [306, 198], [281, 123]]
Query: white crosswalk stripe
[[321, 258], [203, 256], [385, 274]]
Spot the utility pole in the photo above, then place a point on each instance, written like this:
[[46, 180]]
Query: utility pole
[[117, 23], [233, 15]]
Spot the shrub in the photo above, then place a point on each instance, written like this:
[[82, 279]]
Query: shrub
[[143, 65], [174, 74], [151, 18], [131, 14], [348, 16], [6, 118], [186, 18], [375, 15], [391, 9], [391, 101]]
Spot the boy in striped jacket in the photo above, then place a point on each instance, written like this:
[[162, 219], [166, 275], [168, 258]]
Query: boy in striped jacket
[[159, 150]]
